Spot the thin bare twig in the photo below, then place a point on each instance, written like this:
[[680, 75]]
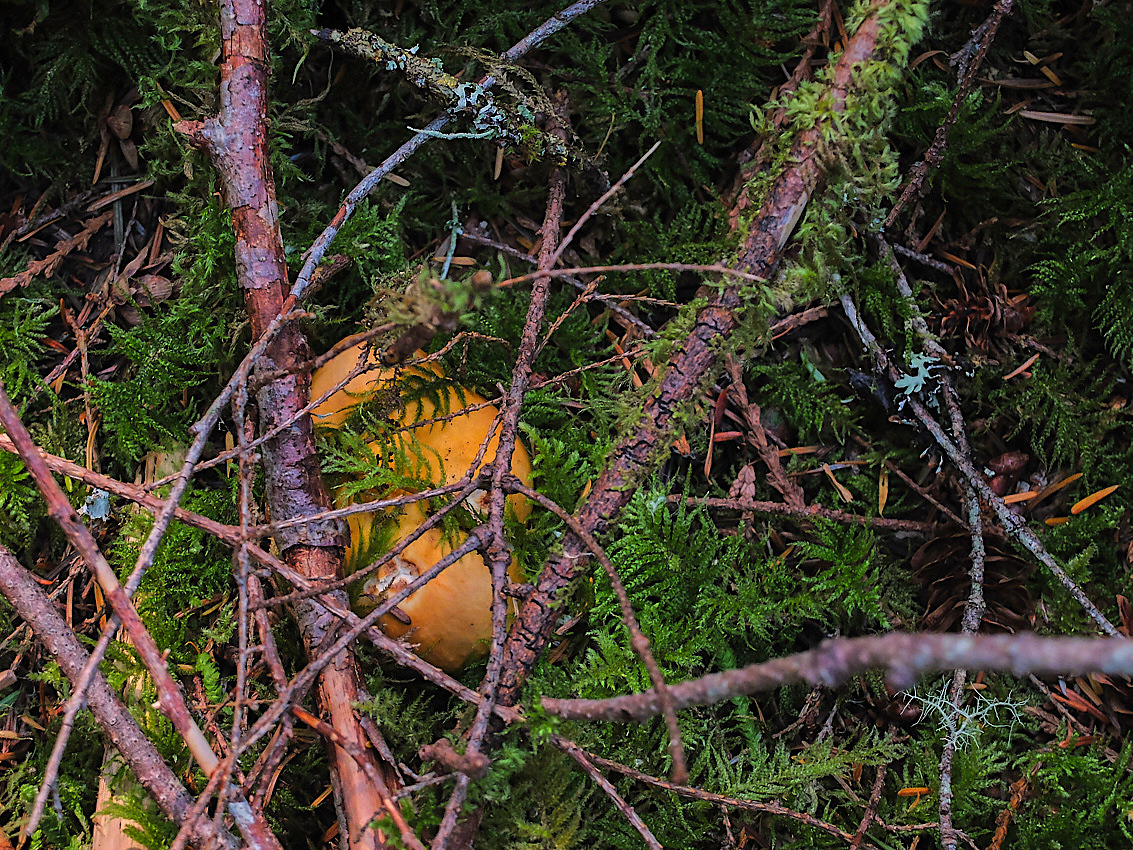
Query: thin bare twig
[[973, 610], [706, 268], [391, 807], [498, 553], [720, 799], [935, 154], [638, 641], [1011, 523], [871, 807], [172, 702], [628, 812], [549, 262], [806, 513], [903, 656], [147, 764], [611, 302], [914, 486], [975, 607]]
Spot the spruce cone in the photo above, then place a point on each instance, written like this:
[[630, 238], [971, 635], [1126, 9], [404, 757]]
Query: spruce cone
[[941, 568]]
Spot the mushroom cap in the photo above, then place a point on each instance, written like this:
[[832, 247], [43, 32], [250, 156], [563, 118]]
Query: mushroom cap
[[335, 409], [450, 616]]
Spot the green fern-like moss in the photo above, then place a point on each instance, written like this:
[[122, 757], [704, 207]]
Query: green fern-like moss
[[1084, 799], [190, 566], [23, 325], [1061, 409], [809, 401], [166, 354]]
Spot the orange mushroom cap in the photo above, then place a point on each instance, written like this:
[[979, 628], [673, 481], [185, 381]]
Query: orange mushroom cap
[[451, 615]]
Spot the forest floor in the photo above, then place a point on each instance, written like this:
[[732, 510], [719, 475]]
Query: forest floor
[[800, 336]]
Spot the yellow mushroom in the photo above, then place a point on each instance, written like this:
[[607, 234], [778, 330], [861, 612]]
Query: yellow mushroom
[[450, 617]]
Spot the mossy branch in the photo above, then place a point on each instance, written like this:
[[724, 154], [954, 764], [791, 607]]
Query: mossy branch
[[886, 32], [490, 118]]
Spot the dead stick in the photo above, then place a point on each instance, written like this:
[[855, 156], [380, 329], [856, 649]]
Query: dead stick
[[170, 698], [871, 807], [904, 656], [497, 554], [770, 808], [40, 613], [935, 154], [628, 812], [807, 512], [391, 807], [1011, 523]]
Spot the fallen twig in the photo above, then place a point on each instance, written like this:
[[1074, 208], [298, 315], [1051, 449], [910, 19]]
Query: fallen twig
[[903, 656], [970, 59], [147, 764], [364, 763], [172, 702], [871, 808], [975, 607], [586, 761], [691, 361], [709, 268], [638, 641], [1011, 523], [610, 301], [720, 799]]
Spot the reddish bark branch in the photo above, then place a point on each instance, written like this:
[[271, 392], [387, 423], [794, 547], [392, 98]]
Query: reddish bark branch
[[871, 807], [236, 140], [364, 763]]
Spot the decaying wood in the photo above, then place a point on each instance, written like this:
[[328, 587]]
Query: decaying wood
[[109, 831]]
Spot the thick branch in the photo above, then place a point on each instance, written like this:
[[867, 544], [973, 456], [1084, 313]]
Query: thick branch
[[236, 139]]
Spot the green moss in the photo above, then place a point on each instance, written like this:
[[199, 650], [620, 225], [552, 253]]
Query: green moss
[[189, 568], [1083, 799], [713, 590]]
